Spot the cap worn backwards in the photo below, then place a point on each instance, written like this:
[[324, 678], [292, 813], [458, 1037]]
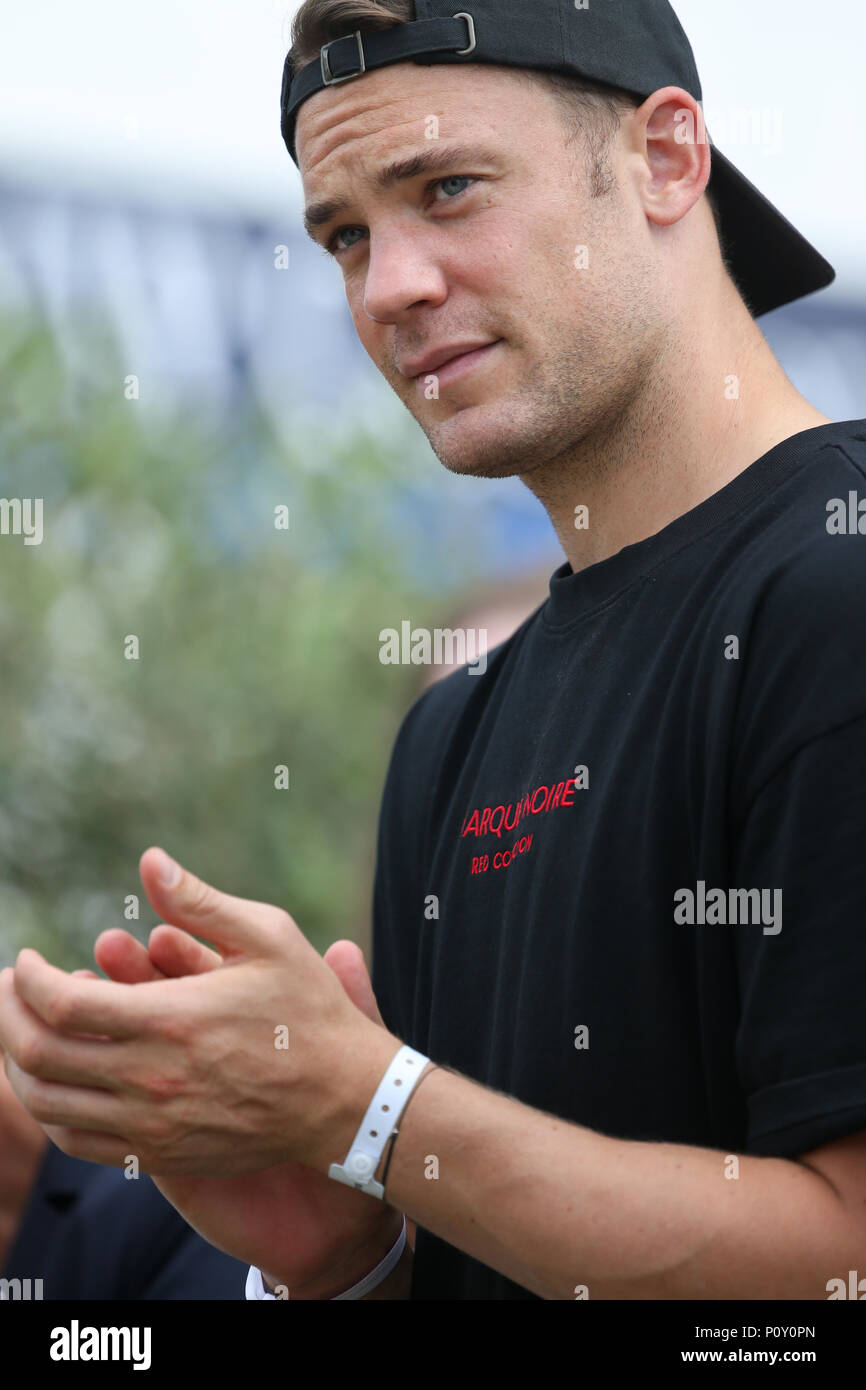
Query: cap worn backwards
[[636, 45]]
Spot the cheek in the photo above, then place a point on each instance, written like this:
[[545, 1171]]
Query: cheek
[[491, 253], [354, 293], [524, 266], [369, 333]]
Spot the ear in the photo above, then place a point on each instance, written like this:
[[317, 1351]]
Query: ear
[[673, 142]]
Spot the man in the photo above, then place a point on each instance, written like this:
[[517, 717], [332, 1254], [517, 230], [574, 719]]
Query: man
[[73, 1230], [620, 891]]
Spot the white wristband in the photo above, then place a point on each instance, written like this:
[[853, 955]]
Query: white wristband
[[380, 1273], [256, 1288], [358, 1169]]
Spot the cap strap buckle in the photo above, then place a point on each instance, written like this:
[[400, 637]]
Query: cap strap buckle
[[327, 77], [470, 22]]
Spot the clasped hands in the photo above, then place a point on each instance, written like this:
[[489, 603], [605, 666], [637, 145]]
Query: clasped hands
[[191, 1074]]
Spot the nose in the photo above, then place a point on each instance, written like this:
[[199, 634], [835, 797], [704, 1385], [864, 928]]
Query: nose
[[401, 272]]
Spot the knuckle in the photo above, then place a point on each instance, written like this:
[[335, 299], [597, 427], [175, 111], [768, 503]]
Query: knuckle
[[175, 1028], [200, 898], [60, 1008], [279, 924], [30, 1053]]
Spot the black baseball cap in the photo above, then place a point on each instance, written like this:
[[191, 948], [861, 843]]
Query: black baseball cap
[[637, 45]]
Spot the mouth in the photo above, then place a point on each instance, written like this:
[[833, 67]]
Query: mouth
[[459, 366]]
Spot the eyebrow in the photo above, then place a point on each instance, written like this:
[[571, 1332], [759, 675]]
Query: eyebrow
[[433, 161]]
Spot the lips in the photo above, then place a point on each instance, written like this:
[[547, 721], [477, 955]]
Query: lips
[[422, 366]]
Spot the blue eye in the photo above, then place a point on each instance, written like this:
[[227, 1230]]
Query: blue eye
[[454, 179], [347, 231], [453, 186]]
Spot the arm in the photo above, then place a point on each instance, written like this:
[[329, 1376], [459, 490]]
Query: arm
[[396, 1284], [553, 1206], [356, 1266], [549, 1204]]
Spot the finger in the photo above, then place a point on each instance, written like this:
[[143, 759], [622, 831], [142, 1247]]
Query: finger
[[108, 1149], [36, 1050], [70, 1004], [175, 952], [346, 959], [236, 926], [124, 960], [52, 1102], [88, 975]]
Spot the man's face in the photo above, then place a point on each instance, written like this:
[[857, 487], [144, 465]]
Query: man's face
[[476, 250]]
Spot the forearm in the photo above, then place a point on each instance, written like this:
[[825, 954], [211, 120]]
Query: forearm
[[555, 1207]]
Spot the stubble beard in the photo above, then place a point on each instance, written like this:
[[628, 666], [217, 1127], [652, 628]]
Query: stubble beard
[[540, 423]]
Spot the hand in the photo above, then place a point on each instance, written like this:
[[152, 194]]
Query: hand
[[314, 1235], [188, 1073]]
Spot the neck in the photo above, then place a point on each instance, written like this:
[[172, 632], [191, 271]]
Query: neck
[[706, 409]]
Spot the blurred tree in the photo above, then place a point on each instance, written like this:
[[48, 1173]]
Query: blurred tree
[[256, 647]]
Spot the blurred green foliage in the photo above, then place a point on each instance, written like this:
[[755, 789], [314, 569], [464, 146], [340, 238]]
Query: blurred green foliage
[[258, 647]]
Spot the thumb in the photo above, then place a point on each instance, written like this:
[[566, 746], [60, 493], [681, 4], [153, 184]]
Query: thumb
[[236, 926], [347, 962]]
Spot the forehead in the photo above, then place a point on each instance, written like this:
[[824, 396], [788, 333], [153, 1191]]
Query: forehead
[[390, 108]]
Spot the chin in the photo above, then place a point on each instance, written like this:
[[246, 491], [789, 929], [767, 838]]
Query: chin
[[482, 446], [498, 438]]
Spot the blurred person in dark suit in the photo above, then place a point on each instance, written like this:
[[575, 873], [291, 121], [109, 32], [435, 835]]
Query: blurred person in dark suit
[[90, 1232]]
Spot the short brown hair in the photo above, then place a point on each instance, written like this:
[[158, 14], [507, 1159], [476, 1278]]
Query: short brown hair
[[591, 109]]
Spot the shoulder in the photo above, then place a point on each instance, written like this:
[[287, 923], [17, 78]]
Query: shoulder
[[436, 734], [805, 560], [796, 594], [441, 711]]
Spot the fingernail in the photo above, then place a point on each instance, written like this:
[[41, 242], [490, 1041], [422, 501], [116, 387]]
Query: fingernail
[[169, 872]]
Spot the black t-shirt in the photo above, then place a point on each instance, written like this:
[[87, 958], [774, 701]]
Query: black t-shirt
[[590, 955]]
